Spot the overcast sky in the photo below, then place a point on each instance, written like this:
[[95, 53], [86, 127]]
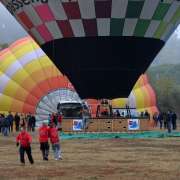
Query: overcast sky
[[10, 30]]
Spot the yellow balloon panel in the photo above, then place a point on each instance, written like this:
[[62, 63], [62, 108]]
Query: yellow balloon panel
[[5, 102], [12, 88], [5, 63], [119, 103]]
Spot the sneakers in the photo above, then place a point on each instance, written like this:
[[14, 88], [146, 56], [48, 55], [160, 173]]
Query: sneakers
[[60, 158]]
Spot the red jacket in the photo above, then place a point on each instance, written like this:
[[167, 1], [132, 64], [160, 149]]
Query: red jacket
[[43, 134], [60, 119], [53, 119], [53, 135], [24, 138]]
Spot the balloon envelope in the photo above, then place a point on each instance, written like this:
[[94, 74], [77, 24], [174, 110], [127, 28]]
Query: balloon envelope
[[103, 46], [26, 75]]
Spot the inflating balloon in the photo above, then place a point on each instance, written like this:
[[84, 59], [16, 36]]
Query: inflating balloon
[[103, 46]]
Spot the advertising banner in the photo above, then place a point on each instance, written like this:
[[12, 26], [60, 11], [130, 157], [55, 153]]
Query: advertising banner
[[133, 124], [77, 124]]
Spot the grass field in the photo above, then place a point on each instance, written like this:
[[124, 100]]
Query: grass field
[[111, 159]]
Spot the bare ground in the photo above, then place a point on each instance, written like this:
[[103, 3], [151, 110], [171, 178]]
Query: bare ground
[[115, 159]]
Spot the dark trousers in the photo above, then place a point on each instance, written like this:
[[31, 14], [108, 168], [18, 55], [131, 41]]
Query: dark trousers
[[174, 124], [165, 124], [22, 150], [161, 124], [17, 127], [44, 147], [169, 126], [11, 127]]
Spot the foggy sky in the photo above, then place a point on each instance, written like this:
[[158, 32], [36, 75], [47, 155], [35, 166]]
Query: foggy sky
[[10, 30]]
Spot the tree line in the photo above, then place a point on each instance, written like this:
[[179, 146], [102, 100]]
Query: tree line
[[166, 83]]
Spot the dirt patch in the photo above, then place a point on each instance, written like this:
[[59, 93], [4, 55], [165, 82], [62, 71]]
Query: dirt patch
[[136, 159]]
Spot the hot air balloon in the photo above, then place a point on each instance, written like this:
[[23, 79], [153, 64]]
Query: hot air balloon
[[103, 46], [26, 76], [30, 82]]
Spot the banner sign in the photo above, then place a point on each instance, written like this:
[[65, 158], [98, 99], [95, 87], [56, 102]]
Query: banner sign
[[133, 124], [77, 124]]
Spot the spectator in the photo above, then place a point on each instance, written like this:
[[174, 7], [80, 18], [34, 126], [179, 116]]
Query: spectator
[[33, 121], [5, 126], [11, 120], [43, 140], [17, 121], [174, 118], [169, 121], [1, 119], [29, 122], [54, 119], [165, 120], [24, 139], [54, 138], [146, 114], [118, 113], [160, 119], [142, 114], [155, 118], [22, 121]]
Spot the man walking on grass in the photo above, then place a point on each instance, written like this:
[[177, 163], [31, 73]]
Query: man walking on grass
[[43, 140], [25, 140], [54, 138]]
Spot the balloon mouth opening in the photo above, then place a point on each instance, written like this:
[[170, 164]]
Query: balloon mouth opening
[[103, 67]]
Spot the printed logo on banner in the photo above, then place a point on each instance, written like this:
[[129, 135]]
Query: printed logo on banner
[[77, 125], [133, 124]]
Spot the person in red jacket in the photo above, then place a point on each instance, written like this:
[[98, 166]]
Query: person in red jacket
[[24, 139], [55, 141], [43, 139]]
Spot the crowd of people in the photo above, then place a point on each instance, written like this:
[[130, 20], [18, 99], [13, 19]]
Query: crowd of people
[[56, 118], [168, 120], [10, 122], [50, 131], [25, 123]]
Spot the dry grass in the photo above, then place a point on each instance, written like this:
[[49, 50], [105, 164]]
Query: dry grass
[[96, 160]]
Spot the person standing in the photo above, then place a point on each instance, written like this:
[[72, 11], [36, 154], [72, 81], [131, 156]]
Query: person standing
[[29, 122], [33, 121], [165, 120], [43, 140], [25, 140], [54, 119], [5, 126], [169, 121], [22, 121], [17, 121], [54, 138], [155, 118], [10, 118], [160, 119], [174, 118]]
